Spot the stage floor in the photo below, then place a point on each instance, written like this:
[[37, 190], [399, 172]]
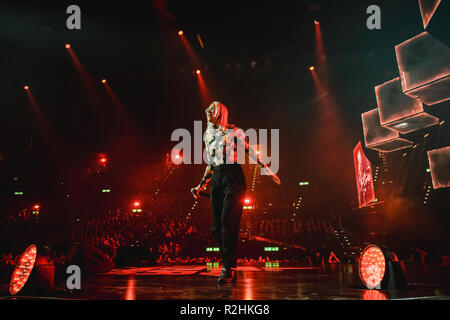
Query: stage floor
[[255, 282]]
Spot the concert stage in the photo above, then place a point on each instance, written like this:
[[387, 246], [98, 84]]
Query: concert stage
[[256, 281]]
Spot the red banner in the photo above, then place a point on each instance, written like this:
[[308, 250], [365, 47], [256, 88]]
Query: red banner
[[364, 179]]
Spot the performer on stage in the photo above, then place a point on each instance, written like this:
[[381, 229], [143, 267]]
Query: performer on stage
[[228, 185]]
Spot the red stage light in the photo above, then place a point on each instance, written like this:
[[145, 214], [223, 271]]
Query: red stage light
[[372, 267], [247, 200], [197, 71], [316, 22], [137, 203], [23, 269], [180, 33], [36, 206], [26, 87], [311, 68], [103, 80], [103, 160], [67, 46]]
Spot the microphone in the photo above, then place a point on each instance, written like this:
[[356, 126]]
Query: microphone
[[202, 193]]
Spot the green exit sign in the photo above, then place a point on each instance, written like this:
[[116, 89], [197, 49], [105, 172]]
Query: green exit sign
[[428, 170], [106, 190], [18, 193], [212, 249], [271, 249], [272, 264], [304, 183]]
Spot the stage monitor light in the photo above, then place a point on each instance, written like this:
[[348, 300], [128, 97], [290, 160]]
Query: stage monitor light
[[427, 10], [424, 68], [380, 138], [439, 160], [23, 269], [34, 273], [379, 268], [400, 112]]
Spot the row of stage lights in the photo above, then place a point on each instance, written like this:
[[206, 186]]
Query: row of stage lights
[[378, 268], [180, 33]]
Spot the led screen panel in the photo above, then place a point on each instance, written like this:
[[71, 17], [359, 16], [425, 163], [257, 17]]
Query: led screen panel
[[439, 160], [364, 178]]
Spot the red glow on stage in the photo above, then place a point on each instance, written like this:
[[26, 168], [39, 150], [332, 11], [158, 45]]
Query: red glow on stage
[[131, 291], [23, 269], [372, 267], [373, 295], [36, 206], [247, 200], [136, 203]]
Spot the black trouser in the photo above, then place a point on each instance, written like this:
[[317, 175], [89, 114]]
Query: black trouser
[[227, 199]]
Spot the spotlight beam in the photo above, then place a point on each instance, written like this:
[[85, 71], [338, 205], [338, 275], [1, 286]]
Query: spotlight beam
[[86, 78], [41, 121]]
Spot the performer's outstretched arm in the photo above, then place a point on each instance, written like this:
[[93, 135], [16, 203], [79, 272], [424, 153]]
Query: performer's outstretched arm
[[255, 157]]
